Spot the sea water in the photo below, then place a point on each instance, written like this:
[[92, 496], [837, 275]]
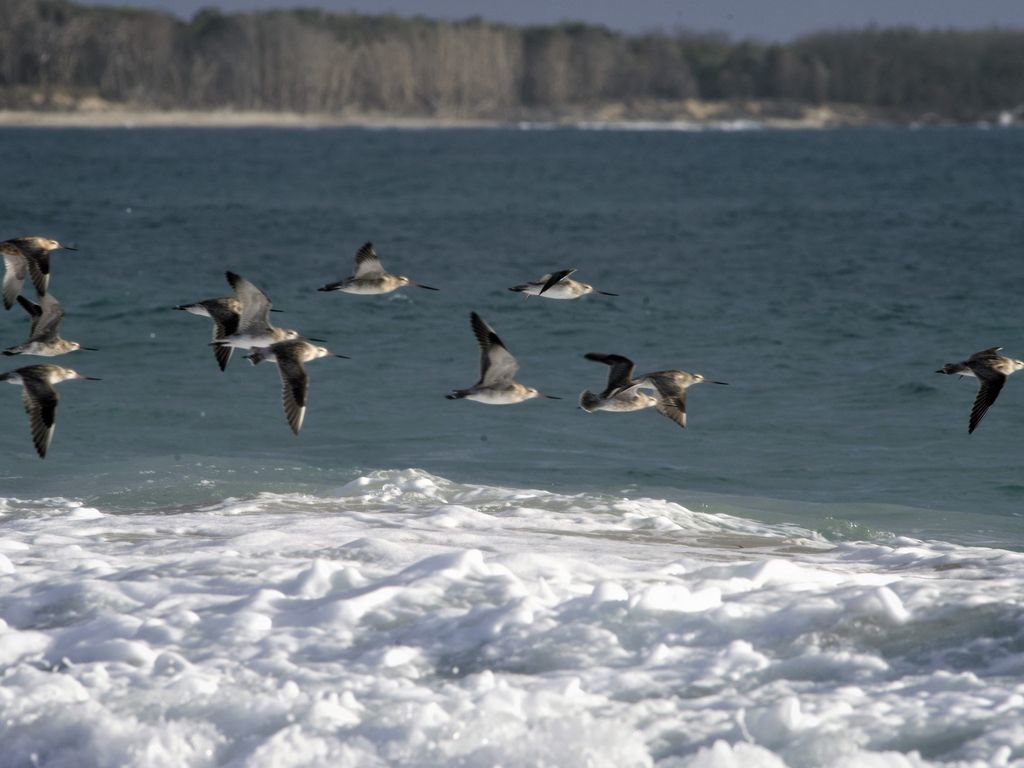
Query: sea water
[[822, 569]]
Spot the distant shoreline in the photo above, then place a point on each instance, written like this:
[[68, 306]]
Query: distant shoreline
[[688, 116], [694, 117]]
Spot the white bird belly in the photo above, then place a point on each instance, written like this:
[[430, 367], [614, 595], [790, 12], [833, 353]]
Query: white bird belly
[[496, 397]]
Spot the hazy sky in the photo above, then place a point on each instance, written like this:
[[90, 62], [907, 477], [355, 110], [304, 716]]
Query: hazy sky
[[766, 19]]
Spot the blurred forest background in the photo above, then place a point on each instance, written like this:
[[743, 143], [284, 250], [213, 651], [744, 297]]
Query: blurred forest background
[[56, 55]]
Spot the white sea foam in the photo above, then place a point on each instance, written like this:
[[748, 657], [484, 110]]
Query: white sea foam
[[408, 620]]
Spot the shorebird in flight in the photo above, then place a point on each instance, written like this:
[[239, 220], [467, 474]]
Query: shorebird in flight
[[40, 398], [290, 356], [622, 394], [557, 285], [991, 369], [254, 328], [37, 251], [670, 386], [497, 369], [43, 336], [370, 277]]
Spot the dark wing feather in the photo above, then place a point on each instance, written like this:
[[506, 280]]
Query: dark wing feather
[[989, 390], [620, 376], [41, 406], [294, 385], [225, 323], [556, 277]]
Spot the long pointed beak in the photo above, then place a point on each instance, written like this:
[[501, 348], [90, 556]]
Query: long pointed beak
[[277, 310], [89, 349], [605, 293], [421, 285], [344, 357], [68, 247], [89, 378], [313, 338], [726, 383], [550, 397]]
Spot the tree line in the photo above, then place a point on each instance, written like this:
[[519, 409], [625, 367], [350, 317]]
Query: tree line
[[52, 51]]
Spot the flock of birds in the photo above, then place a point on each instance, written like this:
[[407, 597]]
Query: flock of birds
[[243, 321]]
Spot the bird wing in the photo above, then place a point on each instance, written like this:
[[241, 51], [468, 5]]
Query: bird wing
[[367, 263], [620, 377], [671, 395], [255, 309], [991, 385], [225, 322], [496, 363], [554, 278], [294, 385], [16, 267], [40, 400], [45, 326], [34, 313], [39, 270]]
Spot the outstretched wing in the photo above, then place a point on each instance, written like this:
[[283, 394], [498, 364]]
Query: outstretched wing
[[554, 278], [294, 386], [45, 327], [225, 316], [991, 386], [34, 313], [16, 267], [255, 309], [496, 363], [367, 263], [620, 376], [40, 400], [671, 395]]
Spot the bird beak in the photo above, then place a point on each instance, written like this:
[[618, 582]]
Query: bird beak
[[322, 341], [89, 349], [272, 310], [344, 357], [421, 285], [68, 247], [726, 383], [605, 293], [89, 378], [549, 397]]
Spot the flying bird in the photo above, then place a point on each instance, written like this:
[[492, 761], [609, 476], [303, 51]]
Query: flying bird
[[40, 398], [254, 328], [622, 394], [991, 369], [43, 336], [370, 277], [290, 356], [670, 386], [557, 285], [497, 369], [37, 250]]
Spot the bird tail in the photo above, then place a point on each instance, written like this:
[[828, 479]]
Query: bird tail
[[15, 350], [330, 287], [457, 394]]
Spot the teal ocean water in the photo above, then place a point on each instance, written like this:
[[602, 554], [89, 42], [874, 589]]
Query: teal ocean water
[[825, 275]]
